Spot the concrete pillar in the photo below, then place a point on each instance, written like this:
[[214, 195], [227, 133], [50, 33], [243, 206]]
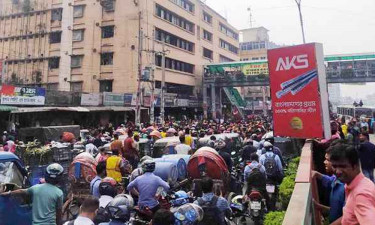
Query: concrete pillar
[[213, 102], [205, 104]]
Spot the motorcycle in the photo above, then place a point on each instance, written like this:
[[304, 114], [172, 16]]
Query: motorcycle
[[272, 191], [257, 207]]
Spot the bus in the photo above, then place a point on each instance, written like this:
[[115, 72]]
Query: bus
[[352, 111]]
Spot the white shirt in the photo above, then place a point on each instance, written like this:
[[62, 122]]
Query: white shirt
[[104, 200], [81, 221], [182, 149]]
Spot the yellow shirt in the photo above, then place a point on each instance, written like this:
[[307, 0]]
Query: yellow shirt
[[163, 134], [344, 129]]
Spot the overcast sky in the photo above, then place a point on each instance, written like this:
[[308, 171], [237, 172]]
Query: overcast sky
[[343, 26]]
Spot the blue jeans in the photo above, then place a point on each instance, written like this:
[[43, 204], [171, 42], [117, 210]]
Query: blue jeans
[[369, 173]]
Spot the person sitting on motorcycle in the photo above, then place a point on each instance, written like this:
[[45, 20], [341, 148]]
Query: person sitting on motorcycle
[[107, 191], [146, 186], [275, 149], [213, 213], [255, 177], [118, 211], [117, 167], [220, 147], [272, 164]]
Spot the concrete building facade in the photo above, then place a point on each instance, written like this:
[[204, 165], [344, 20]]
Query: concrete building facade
[[95, 46]]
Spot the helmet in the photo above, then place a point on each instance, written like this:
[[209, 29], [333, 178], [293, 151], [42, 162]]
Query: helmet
[[53, 173], [181, 198], [188, 214], [267, 145], [118, 209], [127, 199], [107, 187], [148, 165], [144, 158]]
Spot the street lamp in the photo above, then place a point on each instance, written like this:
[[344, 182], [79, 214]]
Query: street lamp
[[301, 20]]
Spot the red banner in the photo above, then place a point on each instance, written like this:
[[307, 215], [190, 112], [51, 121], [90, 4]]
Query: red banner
[[296, 101]]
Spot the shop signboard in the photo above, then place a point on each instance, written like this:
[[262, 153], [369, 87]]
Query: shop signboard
[[91, 99], [134, 100], [128, 99], [11, 95], [183, 102], [147, 101], [113, 99], [299, 91]]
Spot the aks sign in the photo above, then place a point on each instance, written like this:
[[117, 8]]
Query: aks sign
[[297, 62]]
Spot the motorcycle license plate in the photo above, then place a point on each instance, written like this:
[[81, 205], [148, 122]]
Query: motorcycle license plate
[[255, 205], [270, 188]]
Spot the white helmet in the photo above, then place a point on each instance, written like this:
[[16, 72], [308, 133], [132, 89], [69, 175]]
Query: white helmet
[[267, 145]]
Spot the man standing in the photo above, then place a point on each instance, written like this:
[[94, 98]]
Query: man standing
[[359, 190], [116, 143], [117, 167], [129, 150], [101, 173], [366, 153], [47, 198], [182, 148]]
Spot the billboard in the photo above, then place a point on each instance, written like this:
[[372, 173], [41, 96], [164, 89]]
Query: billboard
[[113, 99], [11, 95], [91, 99], [299, 91]]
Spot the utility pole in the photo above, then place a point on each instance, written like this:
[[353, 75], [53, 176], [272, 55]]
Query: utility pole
[[140, 47], [152, 79], [162, 100], [301, 20]]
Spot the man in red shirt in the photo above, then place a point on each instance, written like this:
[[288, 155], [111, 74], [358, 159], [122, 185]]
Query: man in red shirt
[[129, 150], [359, 190]]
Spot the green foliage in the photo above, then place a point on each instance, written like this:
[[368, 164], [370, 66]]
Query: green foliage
[[292, 167], [274, 218], [286, 190]]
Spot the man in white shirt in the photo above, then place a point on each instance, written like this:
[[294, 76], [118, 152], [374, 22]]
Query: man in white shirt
[[87, 213], [182, 148]]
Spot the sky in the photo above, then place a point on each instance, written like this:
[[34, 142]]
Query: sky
[[342, 26]]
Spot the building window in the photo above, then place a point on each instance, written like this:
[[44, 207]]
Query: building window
[[175, 64], [255, 58], [106, 58], [187, 5], [174, 18], [108, 31], [54, 63], [207, 35], [174, 40], [105, 85], [207, 53], [78, 11], [76, 61], [76, 86], [207, 17], [55, 37], [78, 35], [108, 5], [229, 47], [224, 59], [227, 31], [53, 86], [56, 14]]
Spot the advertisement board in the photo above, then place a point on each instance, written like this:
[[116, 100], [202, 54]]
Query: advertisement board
[[91, 99], [11, 95], [113, 99], [299, 91], [128, 99], [147, 101]]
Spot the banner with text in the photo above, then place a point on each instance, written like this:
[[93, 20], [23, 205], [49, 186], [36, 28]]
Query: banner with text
[[113, 99], [11, 95], [299, 91]]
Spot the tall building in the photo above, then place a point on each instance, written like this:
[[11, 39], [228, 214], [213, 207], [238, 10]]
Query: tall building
[[253, 47], [96, 46]]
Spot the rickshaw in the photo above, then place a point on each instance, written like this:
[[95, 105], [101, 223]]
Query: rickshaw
[[165, 146]]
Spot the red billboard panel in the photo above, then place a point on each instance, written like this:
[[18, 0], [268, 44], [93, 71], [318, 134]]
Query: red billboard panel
[[295, 79]]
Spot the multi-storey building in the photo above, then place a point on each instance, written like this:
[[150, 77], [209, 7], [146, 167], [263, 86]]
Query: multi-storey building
[[95, 46]]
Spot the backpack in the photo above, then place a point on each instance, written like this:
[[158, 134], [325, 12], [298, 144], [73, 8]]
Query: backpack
[[271, 167], [210, 212], [102, 216], [256, 178]]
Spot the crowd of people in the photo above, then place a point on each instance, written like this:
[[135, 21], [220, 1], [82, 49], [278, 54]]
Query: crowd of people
[[344, 169]]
